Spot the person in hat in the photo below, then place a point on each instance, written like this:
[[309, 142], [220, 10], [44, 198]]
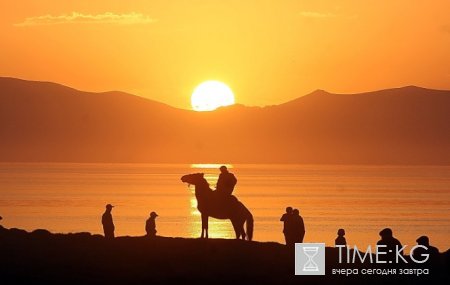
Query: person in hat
[[226, 181], [150, 225], [107, 222]]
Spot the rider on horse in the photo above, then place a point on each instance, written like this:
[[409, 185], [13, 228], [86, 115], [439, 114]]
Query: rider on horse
[[226, 182]]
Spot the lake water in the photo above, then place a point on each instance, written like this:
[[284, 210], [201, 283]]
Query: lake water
[[412, 200]]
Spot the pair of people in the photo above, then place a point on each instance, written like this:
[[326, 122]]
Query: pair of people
[[391, 245], [293, 226], [108, 224]]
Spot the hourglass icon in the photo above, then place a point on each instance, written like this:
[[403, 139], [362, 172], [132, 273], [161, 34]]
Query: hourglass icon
[[310, 252]]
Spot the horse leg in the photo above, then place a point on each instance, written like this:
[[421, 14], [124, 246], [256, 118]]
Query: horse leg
[[205, 225], [245, 217], [236, 228], [241, 228]]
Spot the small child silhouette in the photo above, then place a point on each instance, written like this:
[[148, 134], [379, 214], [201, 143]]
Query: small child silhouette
[[340, 240]]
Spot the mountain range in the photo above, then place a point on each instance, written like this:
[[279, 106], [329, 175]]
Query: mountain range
[[49, 122]]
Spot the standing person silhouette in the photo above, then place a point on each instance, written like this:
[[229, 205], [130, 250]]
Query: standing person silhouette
[[150, 225], [107, 222], [226, 181], [287, 226], [298, 226]]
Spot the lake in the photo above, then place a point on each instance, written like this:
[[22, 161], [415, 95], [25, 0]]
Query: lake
[[69, 197]]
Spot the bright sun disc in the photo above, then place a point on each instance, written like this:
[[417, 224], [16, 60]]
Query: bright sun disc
[[211, 95]]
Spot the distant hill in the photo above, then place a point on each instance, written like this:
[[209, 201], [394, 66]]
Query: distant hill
[[42, 121]]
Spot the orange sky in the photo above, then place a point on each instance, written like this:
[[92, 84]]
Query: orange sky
[[268, 52]]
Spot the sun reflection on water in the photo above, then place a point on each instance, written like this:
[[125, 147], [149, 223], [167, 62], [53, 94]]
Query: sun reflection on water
[[194, 210], [209, 165]]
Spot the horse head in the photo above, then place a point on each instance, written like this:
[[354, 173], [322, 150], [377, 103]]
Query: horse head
[[194, 179]]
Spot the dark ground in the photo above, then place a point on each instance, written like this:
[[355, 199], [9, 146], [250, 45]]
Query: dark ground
[[44, 258]]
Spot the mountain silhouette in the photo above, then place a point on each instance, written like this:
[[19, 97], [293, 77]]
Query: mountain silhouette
[[42, 121]]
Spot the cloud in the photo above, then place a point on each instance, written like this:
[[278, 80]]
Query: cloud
[[311, 14], [80, 18]]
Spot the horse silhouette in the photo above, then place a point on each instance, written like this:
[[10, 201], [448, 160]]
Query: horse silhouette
[[219, 206]]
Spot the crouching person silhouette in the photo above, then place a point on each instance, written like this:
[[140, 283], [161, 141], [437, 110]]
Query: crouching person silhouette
[[426, 251], [389, 245], [340, 240]]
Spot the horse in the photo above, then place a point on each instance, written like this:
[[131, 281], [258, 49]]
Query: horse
[[217, 205]]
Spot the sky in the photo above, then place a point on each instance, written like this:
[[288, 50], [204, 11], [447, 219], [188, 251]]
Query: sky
[[268, 52]]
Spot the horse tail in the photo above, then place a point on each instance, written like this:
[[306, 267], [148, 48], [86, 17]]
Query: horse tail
[[249, 224]]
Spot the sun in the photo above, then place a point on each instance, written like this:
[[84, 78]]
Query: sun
[[211, 95]]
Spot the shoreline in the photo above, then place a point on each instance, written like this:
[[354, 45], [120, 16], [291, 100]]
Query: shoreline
[[41, 257]]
